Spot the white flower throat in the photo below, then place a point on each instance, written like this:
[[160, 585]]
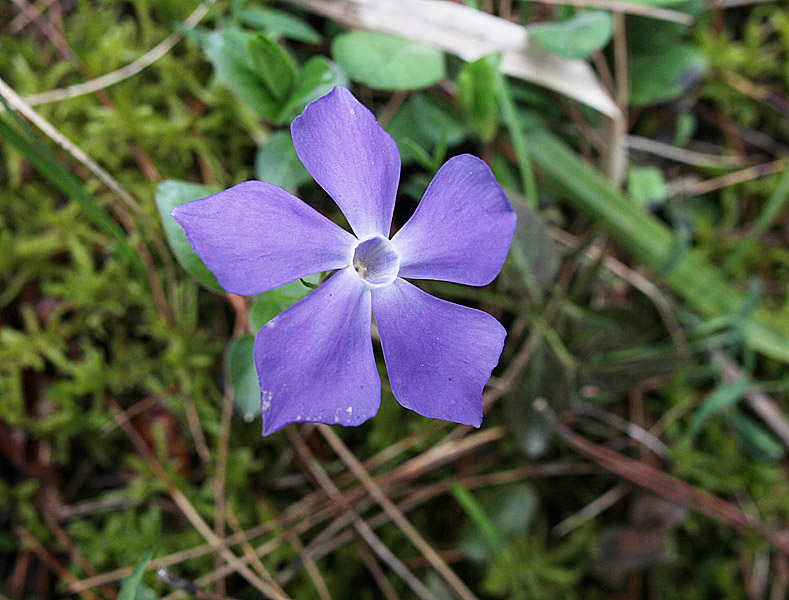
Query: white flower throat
[[376, 261]]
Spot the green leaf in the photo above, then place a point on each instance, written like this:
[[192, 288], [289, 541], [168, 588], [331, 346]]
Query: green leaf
[[577, 37], [477, 514], [388, 62], [506, 512], [534, 259], [659, 77], [316, 78], [425, 121], [277, 162], [719, 399], [228, 52], [477, 85], [758, 442], [514, 125], [241, 374], [267, 306], [132, 583], [274, 67], [646, 186], [278, 23], [170, 194], [146, 593]]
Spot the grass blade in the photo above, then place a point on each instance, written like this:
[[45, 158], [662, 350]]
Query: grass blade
[[652, 242]]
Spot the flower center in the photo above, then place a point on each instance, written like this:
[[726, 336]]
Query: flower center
[[376, 261]]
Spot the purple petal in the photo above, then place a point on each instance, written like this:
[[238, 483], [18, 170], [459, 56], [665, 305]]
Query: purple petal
[[461, 230], [351, 157], [315, 360], [255, 237], [439, 355]]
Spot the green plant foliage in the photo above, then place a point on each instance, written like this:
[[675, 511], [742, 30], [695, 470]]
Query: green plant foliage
[[477, 94], [264, 76], [531, 569], [646, 186], [230, 52], [652, 242], [275, 68], [576, 37], [497, 520], [658, 78], [170, 194], [278, 23], [132, 588], [240, 373], [425, 122], [617, 305], [276, 162], [388, 62], [267, 306], [719, 399]]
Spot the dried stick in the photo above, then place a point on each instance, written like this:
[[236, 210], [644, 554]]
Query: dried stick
[[666, 486], [146, 60], [398, 517], [682, 155], [102, 175], [757, 400], [26, 16], [470, 34], [591, 510], [359, 524], [221, 474], [378, 574], [182, 502], [50, 561], [747, 174], [309, 564], [306, 510], [250, 555], [631, 8], [188, 587]]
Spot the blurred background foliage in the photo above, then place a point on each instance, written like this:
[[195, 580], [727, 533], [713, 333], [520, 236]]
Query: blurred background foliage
[[652, 316]]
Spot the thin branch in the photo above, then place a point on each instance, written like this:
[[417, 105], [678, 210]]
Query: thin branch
[[50, 561], [632, 430], [398, 517], [664, 485], [364, 530], [757, 400], [683, 155], [146, 60], [182, 502], [591, 510], [747, 174], [631, 8], [220, 501], [309, 564], [102, 175], [27, 15], [378, 574]]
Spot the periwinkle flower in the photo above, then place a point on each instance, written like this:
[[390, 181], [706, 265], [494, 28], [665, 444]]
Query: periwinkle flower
[[315, 360]]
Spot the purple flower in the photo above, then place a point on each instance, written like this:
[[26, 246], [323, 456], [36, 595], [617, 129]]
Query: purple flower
[[315, 360]]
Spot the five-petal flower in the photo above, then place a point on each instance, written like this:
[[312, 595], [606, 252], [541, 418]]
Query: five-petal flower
[[315, 360]]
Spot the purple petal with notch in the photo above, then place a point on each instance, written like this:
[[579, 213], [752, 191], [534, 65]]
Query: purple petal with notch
[[351, 157], [315, 360], [439, 355], [255, 237], [462, 229]]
